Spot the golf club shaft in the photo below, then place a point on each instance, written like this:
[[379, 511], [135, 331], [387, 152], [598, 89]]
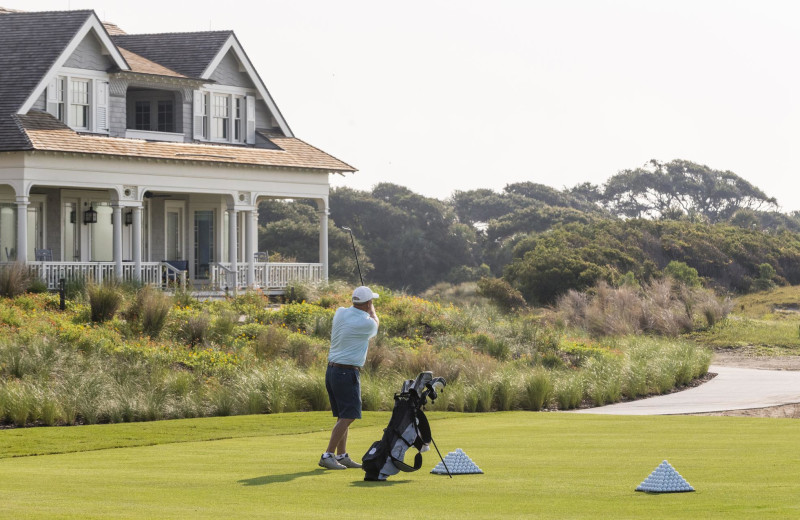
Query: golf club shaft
[[440, 457], [352, 241]]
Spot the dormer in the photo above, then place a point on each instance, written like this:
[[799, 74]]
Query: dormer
[[75, 90]]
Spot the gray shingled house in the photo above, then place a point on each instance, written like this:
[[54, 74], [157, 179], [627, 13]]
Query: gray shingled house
[[144, 157]]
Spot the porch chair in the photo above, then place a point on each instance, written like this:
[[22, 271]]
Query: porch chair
[[43, 255], [261, 256]]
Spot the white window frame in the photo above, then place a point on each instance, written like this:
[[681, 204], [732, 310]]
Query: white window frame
[[206, 113], [73, 103], [66, 77]]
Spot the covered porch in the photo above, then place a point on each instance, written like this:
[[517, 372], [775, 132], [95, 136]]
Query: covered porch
[[172, 231]]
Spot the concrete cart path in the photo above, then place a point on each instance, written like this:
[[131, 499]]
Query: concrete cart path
[[732, 389]]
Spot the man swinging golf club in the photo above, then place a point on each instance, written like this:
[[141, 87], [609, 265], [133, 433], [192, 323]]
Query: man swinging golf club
[[352, 329]]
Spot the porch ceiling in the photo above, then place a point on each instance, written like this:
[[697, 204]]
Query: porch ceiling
[[48, 134]]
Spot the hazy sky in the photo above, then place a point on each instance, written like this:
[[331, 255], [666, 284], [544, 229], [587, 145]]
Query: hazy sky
[[455, 95]]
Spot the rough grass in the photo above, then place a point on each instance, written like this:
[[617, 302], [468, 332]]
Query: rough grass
[[536, 466], [774, 337]]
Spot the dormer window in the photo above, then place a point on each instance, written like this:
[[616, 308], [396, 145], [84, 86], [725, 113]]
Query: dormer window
[[224, 117], [79, 104], [221, 118]]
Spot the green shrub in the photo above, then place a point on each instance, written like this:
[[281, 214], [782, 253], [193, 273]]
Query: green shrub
[[104, 301], [682, 273], [14, 279], [501, 293], [37, 286], [75, 288], [765, 280]]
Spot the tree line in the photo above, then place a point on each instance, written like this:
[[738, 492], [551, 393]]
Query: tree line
[[545, 241]]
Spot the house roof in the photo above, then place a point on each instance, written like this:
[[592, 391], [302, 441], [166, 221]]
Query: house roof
[[25, 59], [28, 60], [141, 65], [186, 53], [46, 133]]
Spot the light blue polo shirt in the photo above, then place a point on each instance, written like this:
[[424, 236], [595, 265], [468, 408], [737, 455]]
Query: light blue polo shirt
[[352, 329]]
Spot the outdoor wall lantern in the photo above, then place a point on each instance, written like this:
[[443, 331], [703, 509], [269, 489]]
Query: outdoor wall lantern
[[129, 218], [90, 216]]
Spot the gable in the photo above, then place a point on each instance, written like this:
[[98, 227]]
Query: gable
[[187, 53], [89, 55], [230, 72]]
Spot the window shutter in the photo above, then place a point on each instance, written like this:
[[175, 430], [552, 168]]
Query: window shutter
[[251, 119], [52, 98], [101, 106], [199, 110]]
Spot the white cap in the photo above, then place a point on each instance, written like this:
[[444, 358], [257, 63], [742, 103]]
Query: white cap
[[363, 294]]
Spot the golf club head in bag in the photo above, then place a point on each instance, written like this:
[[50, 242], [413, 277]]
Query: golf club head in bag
[[407, 427]]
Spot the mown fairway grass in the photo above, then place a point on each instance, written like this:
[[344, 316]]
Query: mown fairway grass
[[537, 465]]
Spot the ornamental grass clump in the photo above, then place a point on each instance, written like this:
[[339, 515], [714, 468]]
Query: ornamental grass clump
[[568, 390], [150, 310], [104, 301], [14, 279], [538, 389]]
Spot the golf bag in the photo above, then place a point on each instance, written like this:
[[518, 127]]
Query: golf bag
[[408, 427]]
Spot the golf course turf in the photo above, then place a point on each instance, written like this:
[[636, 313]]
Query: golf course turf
[[537, 465]]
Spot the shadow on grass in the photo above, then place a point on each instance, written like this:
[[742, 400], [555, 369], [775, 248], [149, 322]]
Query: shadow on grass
[[275, 479], [372, 483]]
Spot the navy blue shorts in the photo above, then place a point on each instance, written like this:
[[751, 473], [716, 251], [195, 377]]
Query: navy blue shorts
[[344, 392]]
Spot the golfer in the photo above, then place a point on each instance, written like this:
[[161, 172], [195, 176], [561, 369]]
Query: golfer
[[352, 329]]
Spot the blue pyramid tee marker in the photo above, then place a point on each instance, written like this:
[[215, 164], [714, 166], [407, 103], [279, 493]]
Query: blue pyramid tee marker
[[664, 479]]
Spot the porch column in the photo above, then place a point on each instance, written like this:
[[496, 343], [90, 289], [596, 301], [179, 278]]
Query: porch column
[[323, 242], [249, 251], [117, 239], [233, 248], [22, 228], [137, 243]]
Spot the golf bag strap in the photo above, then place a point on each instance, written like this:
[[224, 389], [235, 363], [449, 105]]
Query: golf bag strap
[[402, 466]]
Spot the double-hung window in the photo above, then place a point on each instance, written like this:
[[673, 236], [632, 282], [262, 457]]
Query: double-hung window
[[79, 103], [221, 117]]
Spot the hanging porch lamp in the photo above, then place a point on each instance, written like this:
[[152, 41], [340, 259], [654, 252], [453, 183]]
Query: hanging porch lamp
[[90, 216]]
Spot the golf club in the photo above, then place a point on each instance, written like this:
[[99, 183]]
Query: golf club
[[352, 241]]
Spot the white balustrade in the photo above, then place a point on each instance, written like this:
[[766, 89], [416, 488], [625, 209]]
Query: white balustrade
[[98, 272], [274, 277]]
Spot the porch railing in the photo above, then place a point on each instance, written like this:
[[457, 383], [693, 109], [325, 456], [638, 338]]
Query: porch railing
[[268, 276], [153, 273], [273, 277]]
